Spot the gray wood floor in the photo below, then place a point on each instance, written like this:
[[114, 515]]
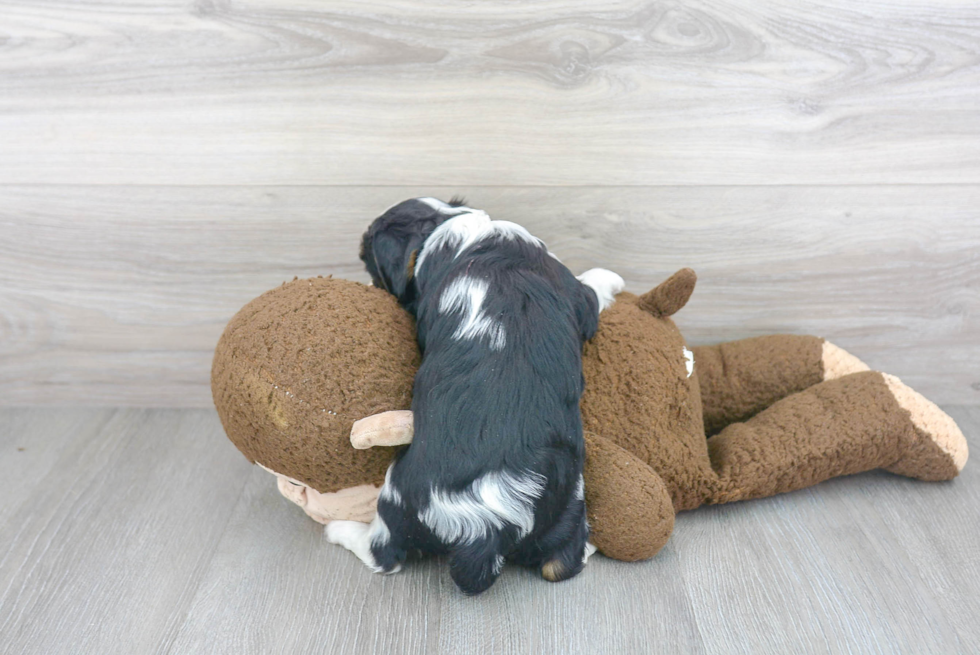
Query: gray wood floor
[[144, 531]]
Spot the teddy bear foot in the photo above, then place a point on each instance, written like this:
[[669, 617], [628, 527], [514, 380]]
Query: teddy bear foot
[[940, 450], [837, 362]]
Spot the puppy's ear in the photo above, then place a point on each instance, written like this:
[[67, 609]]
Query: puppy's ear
[[394, 259], [586, 312]]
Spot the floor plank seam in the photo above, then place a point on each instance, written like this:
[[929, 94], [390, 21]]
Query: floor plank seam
[[200, 575]]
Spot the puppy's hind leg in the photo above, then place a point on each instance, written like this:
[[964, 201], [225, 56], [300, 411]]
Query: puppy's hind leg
[[475, 565], [371, 542], [572, 533]]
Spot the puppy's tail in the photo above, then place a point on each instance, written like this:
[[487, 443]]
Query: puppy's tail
[[476, 565]]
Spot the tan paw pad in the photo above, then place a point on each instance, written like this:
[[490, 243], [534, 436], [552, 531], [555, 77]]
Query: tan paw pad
[[553, 571]]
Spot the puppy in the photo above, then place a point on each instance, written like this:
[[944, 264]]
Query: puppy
[[494, 472]]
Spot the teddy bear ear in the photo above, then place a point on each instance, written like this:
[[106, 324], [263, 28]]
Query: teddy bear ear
[[667, 298]]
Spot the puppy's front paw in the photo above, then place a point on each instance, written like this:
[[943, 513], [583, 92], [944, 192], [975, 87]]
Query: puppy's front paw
[[606, 285], [355, 537], [332, 532], [345, 533]]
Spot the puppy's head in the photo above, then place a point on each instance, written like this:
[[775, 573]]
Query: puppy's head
[[391, 244]]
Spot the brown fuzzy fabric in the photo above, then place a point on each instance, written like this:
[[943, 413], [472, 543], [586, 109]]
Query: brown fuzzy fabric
[[629, 508], [923, 460], [282, 378], [668, 297], [638, 395], [298, 365], [839, 427], [741, 378]]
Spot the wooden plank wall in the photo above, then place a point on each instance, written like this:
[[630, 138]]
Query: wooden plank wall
[[161, 163]]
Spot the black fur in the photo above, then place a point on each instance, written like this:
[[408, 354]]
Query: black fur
[[479, 410]]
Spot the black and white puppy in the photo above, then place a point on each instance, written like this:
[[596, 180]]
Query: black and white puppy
[[494, 472]]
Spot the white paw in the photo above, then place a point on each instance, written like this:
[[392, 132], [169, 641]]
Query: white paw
[[347, 533], [589, 551], [606, 285], [333, 531], [355, 537]]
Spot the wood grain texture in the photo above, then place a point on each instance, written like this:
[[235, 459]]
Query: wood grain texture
[[145, 531], [563, 92], [117, 295], [107, 522]]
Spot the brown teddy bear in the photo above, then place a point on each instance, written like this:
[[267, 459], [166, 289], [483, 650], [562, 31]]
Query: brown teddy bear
[[313, 381]]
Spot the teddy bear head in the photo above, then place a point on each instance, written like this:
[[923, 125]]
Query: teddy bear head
[[293, 371]]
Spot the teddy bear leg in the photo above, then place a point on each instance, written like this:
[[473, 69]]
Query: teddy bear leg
[[629, 509], [739, 379], [855, 423]]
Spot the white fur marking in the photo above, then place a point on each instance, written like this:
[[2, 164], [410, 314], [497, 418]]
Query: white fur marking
[[589, 551], [606, 285], [689, 361], [443, 207], [355, 537], [467, 228], [466, 294], [388, 491], [512, 231], [498, 564], [580, 489], [492, 501], [458, 232], [380, 534], [358, 538]]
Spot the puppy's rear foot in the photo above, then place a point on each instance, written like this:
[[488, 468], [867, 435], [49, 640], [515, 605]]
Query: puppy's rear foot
[[565, 564], [475, 566], [356, 537]]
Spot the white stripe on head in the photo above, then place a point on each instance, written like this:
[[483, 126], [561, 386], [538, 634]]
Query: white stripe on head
[[490, 502], [444, 207], [606, 285], [580, 489], [466, 229], [513, 231], [459, 232], [466, 294]]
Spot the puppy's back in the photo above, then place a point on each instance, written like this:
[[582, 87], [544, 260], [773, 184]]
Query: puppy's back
[[501, 327]]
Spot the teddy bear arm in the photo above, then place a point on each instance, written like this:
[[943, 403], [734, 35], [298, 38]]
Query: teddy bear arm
[[739, 379], [394, 428], [629, 508]]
